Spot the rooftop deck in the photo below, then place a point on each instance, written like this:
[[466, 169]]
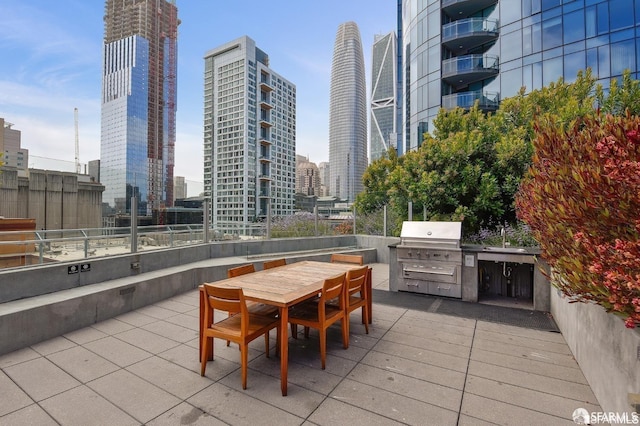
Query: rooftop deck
[[426, 361]]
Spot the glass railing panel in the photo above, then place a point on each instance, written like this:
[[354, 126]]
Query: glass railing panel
[[486, 100], [468, 27], [470, 63]]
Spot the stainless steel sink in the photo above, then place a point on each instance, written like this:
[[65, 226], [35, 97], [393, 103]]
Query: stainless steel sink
[[505, 249]]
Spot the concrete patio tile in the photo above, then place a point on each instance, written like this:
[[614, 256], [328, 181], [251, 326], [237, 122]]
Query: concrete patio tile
[[40, 378], [526, 342], [564, 360], [307, 352], [135, 318], [427, 322], [171, 331], [85, 335], [359, 338], [308, 377], [82, 364], [185, 414], [172, 378], [156, 312], [521, 332], [427, 343], [387, 313], [176, 306], [146, 340], [422, 355], [464, 420], [115, 350], [550, 385], [53, 345], [187, 357], [502, 413], [28, 416], [428, 331], [82, 406], [112, 326], [417, 370], [266, 388], [238, 408], [335, 412], [16, 357], [534, 400], [441, 319], [13, 398], [186, 321], [401, 408], [195, 312], [529, 365], [137, 397], [408, 386]]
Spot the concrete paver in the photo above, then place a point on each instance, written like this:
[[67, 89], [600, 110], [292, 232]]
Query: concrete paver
[[417, 366]]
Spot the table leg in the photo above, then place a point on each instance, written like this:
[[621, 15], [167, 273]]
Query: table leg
[[284, 347]]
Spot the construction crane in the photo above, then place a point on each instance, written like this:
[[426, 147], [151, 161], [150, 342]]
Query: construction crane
[[75, 115]]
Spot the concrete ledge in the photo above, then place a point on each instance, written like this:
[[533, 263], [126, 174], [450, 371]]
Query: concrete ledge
[[31, 320]]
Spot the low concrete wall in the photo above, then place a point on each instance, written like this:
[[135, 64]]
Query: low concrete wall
[[58, 311], [22, 283], [608, 353]]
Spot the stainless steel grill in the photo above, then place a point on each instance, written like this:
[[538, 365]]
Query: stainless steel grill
[[430, 258]]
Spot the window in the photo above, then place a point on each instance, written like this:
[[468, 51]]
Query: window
[[573, 26], [552, 33]]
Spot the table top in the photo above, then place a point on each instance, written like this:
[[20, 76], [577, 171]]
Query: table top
[[286, 285]]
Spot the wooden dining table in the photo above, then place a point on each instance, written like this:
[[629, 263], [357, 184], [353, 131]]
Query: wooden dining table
[[282, 287]]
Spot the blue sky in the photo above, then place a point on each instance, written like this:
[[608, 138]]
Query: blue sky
[[51, 64]]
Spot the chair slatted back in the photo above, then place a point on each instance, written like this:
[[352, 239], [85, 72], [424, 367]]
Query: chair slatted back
[[268, 264], [240, 270], [347, 258], [356, 279]]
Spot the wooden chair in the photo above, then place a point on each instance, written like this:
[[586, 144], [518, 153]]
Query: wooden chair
[[268, 264], [357, 295], [241, 327], [320, 314], [347, 258], [240, 270]]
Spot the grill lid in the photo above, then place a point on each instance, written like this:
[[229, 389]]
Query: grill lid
[[431, 233]]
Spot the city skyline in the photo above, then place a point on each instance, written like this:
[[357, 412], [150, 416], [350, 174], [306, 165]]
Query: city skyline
[[44, 79]]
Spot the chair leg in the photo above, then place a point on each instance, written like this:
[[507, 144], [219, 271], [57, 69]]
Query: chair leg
[[266, 343], [365, 317], [294, 331], [203, 355], [278, 337], [244, 355], [323, 346], [306, 332]]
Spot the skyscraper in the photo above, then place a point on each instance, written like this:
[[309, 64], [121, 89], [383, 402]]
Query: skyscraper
[[138, 129], [347, 115], [383, 96], [249, 136], [461, 52]]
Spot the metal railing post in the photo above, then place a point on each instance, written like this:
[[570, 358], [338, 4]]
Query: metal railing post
[[410, 215], [354, 219], [315, 211], [205, 220], [134, 225], [384, 221]]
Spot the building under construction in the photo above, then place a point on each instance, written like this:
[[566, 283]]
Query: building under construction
[[138, 132]]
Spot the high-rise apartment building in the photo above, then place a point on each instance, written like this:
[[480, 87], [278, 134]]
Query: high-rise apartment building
[[458, 52], [179, 188], [307, 177], [323, 170], [249, 136], [347, 115], [12, 153], [383, 133], [138, 129]]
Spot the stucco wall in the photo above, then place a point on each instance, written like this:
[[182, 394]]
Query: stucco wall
[[607, 351]]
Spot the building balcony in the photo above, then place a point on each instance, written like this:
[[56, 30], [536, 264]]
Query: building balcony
[[458, 9], [264, 85], [465, 34], [263, 194], [264, 158], [265, 141], [263, 177], [463, 70], [264, 104], [487, 101], [264, 122]]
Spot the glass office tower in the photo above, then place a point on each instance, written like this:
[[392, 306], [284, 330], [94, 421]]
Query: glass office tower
[[138, 123], [347, 115], [383, 132], [457, 52]]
